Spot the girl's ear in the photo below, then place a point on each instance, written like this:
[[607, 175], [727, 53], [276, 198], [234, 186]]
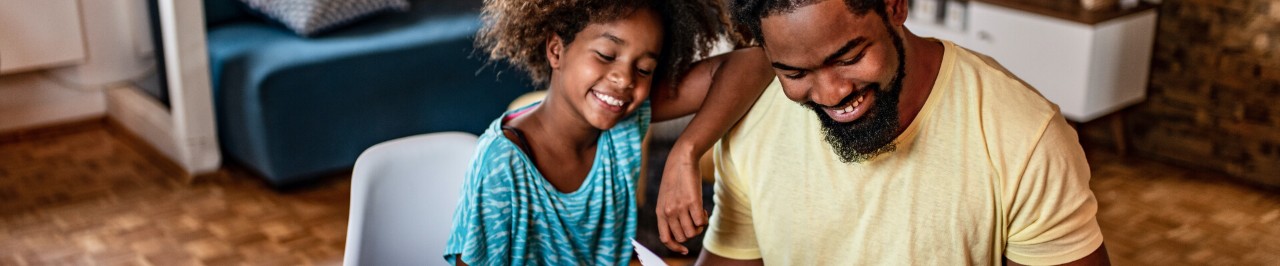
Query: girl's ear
[[555, 48]]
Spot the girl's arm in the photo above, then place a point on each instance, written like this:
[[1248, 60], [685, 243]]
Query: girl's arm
[[720, 89], [733, 85]]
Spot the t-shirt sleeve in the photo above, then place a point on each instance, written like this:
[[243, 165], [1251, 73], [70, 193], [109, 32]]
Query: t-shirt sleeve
[[731, 233], [483, 219], [1052, 219]]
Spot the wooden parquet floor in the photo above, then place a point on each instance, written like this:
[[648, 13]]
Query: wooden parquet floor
[[91, 198], [1160, 214]]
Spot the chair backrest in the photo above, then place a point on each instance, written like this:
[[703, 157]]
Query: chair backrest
[[403, 195]]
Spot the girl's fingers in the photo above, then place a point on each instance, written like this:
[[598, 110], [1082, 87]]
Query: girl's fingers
[[699, 221], [675, 237], [665, 236], [686, 226], [699, 216], [663, 231], [677, 230]]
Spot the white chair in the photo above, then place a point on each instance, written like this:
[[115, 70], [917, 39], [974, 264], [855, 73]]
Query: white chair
[[403, 195]]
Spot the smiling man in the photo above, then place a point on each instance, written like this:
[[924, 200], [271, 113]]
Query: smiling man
[[877, 147]]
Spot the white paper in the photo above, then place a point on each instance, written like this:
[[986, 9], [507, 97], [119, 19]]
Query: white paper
[[647, 258]]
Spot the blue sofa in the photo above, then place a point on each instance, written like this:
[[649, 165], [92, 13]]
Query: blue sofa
[[292, 108]]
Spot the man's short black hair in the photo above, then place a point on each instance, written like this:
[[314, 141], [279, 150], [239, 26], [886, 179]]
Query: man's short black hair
[[747, 13]]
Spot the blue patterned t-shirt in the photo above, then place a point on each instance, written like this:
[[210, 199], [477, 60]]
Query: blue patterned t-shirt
[[510, 215]]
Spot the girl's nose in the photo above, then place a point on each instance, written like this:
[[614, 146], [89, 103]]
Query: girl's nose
[[621, 78]]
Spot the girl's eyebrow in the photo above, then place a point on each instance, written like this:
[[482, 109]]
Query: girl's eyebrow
[[620, 41], [615, 39]]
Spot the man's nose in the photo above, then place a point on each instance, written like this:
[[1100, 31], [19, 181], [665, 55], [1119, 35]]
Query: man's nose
[[830, 88]]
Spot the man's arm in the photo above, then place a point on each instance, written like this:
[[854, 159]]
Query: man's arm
[[1052, 213], [1097, 258], [708, 258]]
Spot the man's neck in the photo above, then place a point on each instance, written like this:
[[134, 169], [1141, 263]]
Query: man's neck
[[924, 59]]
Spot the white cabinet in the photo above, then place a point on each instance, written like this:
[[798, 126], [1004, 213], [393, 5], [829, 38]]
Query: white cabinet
[[38, 34], [1088, 69]]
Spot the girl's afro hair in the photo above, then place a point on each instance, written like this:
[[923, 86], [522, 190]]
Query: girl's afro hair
[[517, 30]]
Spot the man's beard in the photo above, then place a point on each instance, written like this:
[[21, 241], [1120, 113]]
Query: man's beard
[[872, 134]]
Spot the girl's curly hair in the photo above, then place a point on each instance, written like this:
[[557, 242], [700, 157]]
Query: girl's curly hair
[[517, 30]]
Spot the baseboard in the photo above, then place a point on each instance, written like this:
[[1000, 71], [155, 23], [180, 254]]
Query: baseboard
[[31, 100], [46, 131], [121, 132], [149, 124]]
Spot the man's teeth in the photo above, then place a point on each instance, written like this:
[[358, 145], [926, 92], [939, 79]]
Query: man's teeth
[[609, 100], [854, 104]]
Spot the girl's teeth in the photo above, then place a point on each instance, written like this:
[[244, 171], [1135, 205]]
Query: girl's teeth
[[609, 100]]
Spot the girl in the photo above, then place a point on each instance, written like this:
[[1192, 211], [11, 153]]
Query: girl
[[553, 183]]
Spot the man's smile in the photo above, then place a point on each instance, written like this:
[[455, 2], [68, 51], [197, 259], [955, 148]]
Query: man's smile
[[854, 108]]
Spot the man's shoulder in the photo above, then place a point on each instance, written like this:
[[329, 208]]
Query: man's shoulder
[[771, 110], [1003, 99], [1012, 114]]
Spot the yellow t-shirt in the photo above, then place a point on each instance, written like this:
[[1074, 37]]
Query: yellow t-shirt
[[988, 169]]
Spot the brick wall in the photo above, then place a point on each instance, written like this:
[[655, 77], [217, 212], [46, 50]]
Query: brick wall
[[1214, 96]]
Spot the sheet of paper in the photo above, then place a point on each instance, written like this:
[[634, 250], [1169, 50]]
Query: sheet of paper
[[647, 258]]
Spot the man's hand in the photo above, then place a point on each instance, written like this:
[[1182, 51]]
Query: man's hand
[[679, 209]]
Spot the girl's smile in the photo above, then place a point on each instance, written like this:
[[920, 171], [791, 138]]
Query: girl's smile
[[610, 65], [610, 103]]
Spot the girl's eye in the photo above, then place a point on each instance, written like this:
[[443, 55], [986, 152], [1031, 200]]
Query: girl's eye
[[606, 58]]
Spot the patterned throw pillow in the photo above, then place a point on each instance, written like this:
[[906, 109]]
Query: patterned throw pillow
[[310, 17]]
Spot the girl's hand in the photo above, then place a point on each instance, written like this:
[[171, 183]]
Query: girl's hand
[[679, 209]]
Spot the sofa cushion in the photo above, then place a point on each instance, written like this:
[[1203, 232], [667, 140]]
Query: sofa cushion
[[220, 11], [311, 17], [292, 108]]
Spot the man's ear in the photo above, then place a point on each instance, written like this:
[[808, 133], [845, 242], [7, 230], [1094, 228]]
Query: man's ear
[[897, 11], [555, 48]]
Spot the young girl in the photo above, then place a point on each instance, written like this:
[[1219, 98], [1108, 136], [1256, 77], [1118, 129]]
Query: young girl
[[553, 183]]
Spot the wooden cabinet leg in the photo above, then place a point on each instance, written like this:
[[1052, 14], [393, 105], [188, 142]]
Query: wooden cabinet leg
[[1117, 133]]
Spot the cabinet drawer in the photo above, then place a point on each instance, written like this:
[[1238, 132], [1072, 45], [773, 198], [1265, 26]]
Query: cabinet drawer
[[1050, 54], [39, 33]]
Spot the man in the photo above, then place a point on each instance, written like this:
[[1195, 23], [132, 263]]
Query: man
[[875, 146]]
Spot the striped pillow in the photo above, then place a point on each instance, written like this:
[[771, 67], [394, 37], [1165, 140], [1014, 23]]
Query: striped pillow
[[310, 17]]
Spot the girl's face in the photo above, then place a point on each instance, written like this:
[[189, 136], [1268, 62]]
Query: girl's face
[[605, 73]]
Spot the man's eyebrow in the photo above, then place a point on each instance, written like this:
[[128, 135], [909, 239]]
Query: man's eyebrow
[[786, 67], [836, 55], [847, 46]]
